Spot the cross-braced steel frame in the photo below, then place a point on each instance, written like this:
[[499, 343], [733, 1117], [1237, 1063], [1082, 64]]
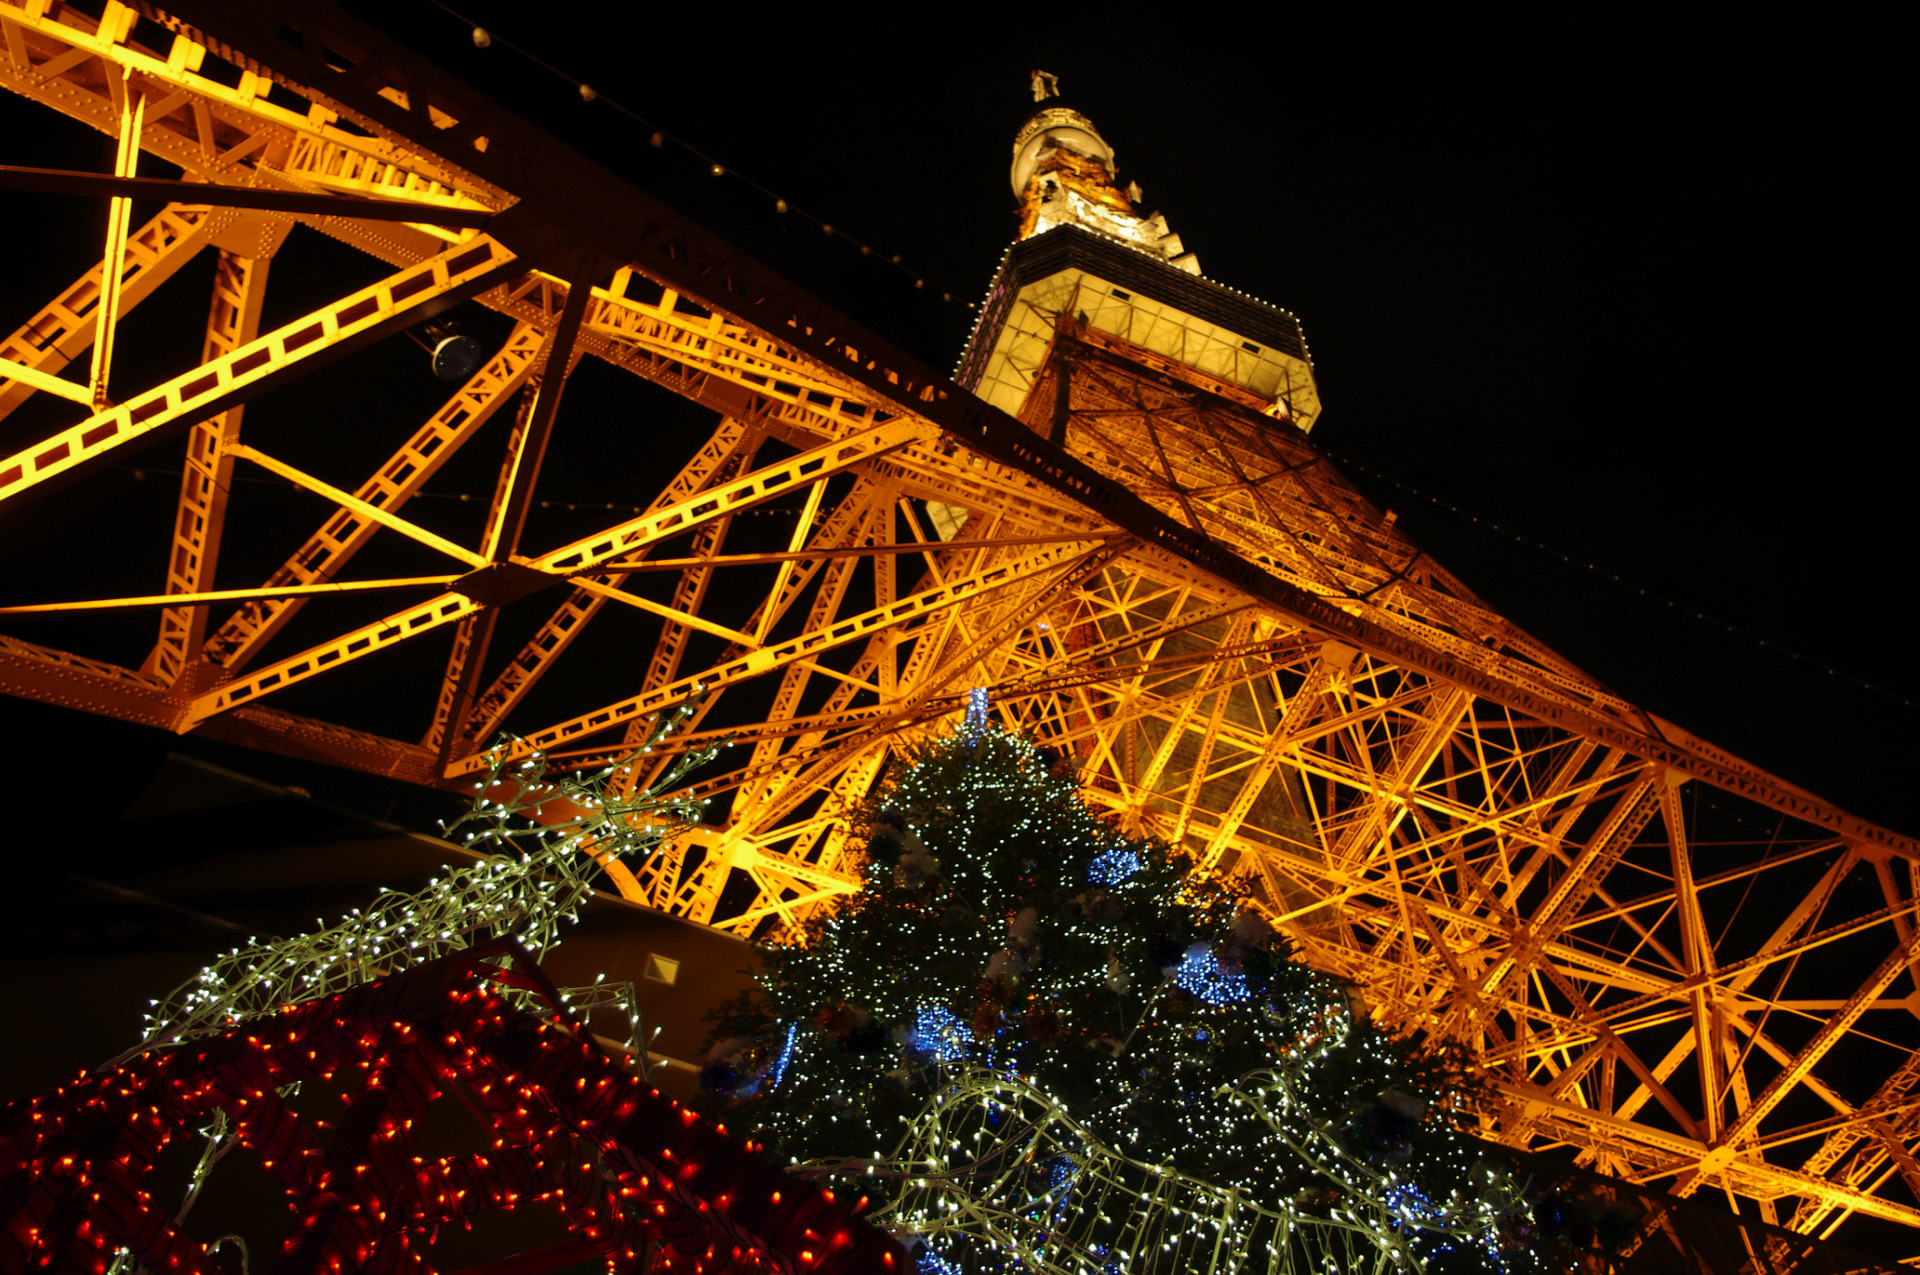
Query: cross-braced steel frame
[[1695, 973]]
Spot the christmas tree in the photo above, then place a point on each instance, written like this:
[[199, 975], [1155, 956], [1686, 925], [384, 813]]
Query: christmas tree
[[1040, 1045]]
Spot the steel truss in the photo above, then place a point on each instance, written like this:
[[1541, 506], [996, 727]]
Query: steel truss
[[1653, 949]]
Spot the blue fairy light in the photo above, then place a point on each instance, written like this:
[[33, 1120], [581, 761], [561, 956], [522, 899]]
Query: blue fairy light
[[939, 1033], [1114, 866], [1412, 1205], [786, 1056], [978, 705], [931, 1263], [1201, 973], [1061, 1175]]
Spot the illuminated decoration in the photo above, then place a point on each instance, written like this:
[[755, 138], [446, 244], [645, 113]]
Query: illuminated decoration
[[1201, 974], [993, 1164], [1111, 867], [979, 709], [640, 1181], [1126, 534], [780, 1064], [543, 836], [1130, 1069], [939, 1034]]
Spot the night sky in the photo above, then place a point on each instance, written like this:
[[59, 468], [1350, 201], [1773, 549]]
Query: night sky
[[1629, 288]]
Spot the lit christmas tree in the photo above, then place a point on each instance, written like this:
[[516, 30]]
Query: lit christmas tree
[[1039, 1045]]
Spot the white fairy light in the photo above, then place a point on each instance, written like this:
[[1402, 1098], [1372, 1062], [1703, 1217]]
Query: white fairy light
[[526, 898]]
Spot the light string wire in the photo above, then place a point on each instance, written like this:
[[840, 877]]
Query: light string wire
[[658, 137], [1522, 538], [533, 875], [528, 883], [1062, 1189], [996, 1195]]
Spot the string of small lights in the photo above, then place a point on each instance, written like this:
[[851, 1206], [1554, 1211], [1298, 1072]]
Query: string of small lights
[[992, 1157], [1521, 538], [1039, 1045], [532, 881], [564, 1127], [406, 999], [659, 138]]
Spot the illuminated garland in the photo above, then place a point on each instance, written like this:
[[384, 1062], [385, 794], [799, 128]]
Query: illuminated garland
[[992, 1162], [638, 1181], [542, 835], [1021, 994], [227, 1050]]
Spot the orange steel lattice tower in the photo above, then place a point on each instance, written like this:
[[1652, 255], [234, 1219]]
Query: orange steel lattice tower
[[1124, 531]]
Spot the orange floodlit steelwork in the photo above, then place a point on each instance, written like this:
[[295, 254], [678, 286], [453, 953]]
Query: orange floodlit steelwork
[[1697, 974]]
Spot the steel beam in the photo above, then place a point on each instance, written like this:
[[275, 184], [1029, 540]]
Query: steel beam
[[352, 321]]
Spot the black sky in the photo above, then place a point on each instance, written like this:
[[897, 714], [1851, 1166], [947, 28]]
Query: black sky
[[1630, 285]]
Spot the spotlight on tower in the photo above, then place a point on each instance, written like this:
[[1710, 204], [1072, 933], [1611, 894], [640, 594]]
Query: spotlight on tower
[[456, 356]]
